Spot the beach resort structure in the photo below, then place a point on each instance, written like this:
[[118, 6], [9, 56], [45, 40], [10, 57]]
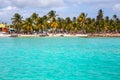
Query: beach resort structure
[[3, 28]]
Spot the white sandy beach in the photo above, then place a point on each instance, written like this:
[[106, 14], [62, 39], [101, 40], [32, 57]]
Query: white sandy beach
[[59, 35], [53, 35], [4, 35]]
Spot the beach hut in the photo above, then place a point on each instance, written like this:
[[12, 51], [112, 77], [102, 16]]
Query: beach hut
[[3, 28]]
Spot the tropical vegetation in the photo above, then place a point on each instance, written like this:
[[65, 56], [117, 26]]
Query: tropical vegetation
[[52, 23]]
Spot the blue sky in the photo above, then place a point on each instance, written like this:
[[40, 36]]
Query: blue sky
[[64, 8]]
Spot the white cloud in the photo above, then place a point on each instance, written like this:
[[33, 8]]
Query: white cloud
[[4, 3], [37, 3], [26, 7], [31, 3], [94, 4], [116, 7], [9, 8], [97, 0], [63, 7], [87, 1], [7, 12]]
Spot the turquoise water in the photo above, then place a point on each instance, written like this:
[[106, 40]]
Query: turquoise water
[[60, 58]]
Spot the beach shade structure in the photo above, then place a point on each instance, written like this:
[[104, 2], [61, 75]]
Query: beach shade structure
[[12, 30], [2, 28], [5, 29], [2, 25]]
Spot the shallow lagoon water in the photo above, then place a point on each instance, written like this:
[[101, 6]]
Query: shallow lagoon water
[[60, 58]]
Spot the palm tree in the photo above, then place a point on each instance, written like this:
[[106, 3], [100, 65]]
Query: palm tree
[[68, 24], [40, 24], [99, 21], [74, 24], [45, 22], [93, 26], [82, 21], [27, 25], [17, 22], [62, 23], [34, 17], [106, 24], [52, 14], [115, 23], [59, 23], [118, 25]]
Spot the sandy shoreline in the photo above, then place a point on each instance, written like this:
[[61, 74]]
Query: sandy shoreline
[[104, 35], [53, 35], [60, 35]]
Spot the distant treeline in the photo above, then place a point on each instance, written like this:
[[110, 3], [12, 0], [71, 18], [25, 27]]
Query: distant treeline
[[55, 24]]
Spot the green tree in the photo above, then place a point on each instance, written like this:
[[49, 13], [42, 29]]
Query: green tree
[[99, 21], [68, 24], [106, 24], [34, 18], [27, 25], [52, 14], [115, 23], [82, 21], [17, 22], [74, 24]]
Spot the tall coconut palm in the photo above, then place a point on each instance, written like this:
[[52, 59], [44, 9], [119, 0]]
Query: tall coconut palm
[[106, 24], [45, 22], [27, 25], [118, 25], [115, 22], [34, 17], [74, 23], [52, 15], [59, 21], [40, 24], [61, 24], [99, 21], [17, 21], [93, 26], [88, 25], [82, 21], [68, 24]]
